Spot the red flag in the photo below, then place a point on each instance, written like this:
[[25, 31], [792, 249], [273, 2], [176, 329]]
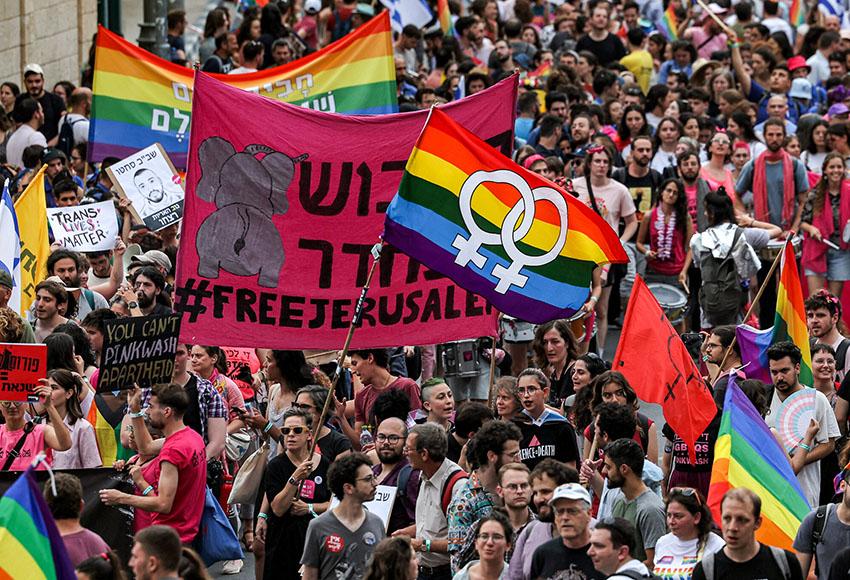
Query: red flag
[[658, 366]]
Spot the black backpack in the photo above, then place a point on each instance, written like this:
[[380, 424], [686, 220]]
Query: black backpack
[[66, 137], [720, 295]]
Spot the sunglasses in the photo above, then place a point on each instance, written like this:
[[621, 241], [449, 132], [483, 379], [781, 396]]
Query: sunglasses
[[686, 492], [296, 430]]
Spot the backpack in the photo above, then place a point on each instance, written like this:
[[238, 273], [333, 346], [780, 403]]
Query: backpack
[[635, 575], [66, 136], [841, 355], [777, 553], [448, 486], [721, 295], [821, 515]]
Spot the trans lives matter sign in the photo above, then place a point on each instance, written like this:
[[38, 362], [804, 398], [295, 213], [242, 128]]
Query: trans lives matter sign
[[85, 228], [138, 350], [21, 365]]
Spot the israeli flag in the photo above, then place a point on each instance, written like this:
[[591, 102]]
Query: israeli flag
[[404, 12], [10, 246], [833, 8]]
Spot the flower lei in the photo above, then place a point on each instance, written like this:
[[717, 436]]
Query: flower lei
[[665, 234]]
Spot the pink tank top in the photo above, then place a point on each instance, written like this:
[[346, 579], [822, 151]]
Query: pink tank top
[[33, 445]]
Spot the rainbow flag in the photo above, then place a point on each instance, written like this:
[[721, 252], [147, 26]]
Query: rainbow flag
[[30, 544], [444, 15], [140, 99], [789, 325], [670, 23], [461, 210], [797, 13], [748, 455]]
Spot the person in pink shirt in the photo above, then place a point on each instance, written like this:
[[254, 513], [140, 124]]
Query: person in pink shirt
[[207, 362], [174, 483], [21, 440], [709, 37]]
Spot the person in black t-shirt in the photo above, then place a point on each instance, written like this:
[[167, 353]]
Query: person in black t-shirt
[[52, 105], [606, 46], [743, 557], [639, 178], [566, 556]]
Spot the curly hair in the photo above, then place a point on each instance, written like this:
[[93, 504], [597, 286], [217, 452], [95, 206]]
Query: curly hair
[[390, 560], [11, 326], [492, 436]]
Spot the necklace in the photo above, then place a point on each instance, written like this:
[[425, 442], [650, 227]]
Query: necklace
[[665, 233]]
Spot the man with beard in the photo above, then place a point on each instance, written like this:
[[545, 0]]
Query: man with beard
[[696, 188], [395, 470], [149, 284], [606, 46], [566, 556], [503, 64], [68, 265], [494, 445], [156, 554], [340, 541], [714, 352], [784, 362], [51, 104], [639, 178], [545, 478], [152, 194], [179, 471], [823, 311], [50, 297], [639, 505]]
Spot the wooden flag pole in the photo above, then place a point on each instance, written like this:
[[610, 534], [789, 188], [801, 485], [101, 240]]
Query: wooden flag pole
[[717, 19], [492, 382], [755, 301], [355, 320]]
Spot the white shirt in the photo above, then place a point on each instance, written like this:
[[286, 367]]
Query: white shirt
[[820, 68], [79, 124], [776, 24], [23, 137], [676, 559], [242, 70], [809, 476], [635, 565]]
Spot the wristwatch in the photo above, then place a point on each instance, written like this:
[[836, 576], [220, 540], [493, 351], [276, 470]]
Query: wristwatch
[[133, 304]]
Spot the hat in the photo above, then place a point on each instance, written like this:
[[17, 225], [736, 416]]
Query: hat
[[837, 109], [51, 153], [532, 159], [58, 280], [716, 8], [701, 68], [312, 6], [6, 279], [364, 9], [570, 491], [152, 258], [33, 68], [796, 62], [801, 89]]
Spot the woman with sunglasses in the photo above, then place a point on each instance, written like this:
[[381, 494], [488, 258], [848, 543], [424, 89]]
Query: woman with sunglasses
[[65, 395], [31, 439], [690, 537], [492, 542], [296, 492], [612, 387], [719, 153], [332, 444]]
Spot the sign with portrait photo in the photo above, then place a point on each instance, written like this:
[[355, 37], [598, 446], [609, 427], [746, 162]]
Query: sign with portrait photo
[[151, 183]]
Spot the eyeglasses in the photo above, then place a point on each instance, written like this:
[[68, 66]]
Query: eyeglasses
[[488, 537], [528, 390], [516, 486], [687, 492], [382, 437], [303, 406], [369, 478], [10, 404], [571, 511], [296, 430]]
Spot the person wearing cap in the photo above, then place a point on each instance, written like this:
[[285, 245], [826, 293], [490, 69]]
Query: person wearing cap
[[52, 105], [709, 36], [30, 116], [6, 286], [803, 95], [612, 546], [571, 505], [818, 63]]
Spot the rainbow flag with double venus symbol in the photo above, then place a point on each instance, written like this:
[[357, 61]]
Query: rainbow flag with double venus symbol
[[30, 544], [496, 229]]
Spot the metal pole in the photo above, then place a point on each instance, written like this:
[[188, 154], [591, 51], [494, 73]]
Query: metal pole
[[154, 29]]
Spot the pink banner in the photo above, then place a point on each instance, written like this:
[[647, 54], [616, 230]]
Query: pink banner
[[283, 205]]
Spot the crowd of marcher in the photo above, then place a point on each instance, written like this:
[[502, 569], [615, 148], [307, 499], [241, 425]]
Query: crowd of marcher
[[704, 135]]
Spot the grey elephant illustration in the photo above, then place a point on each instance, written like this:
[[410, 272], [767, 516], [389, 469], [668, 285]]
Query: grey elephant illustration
[[240, 237]]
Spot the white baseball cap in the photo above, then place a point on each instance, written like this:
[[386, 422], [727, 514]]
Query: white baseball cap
[[570, 491], [34, 69], [312, 6]]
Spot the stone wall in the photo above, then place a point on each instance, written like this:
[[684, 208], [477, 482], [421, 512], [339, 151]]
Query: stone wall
[[53, 33]]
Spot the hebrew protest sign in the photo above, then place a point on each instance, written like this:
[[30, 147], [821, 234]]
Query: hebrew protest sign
[[85, 228], [149, 180], [138, 350], [21, 365], [381, 506]]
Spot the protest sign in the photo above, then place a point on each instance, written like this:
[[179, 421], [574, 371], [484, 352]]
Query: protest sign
[[279, 226], [21, 366], [85, 228], [138, 350], [381, 506], [149, 180]]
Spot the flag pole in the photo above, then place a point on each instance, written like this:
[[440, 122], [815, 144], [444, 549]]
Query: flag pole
[[491, 382], [355, 320], [755, 301]]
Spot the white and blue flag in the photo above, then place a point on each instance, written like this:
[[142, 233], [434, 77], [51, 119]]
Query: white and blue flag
[[404, 12], [10, 246]]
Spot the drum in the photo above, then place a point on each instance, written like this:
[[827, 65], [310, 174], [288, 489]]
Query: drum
[[774, 248], [578, 326], [516, 330], [461, 358], [673, 301]]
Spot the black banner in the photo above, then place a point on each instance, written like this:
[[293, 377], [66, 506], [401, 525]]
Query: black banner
[[138, 350]]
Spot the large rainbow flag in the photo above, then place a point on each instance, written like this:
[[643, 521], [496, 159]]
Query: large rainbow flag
[[789, 325], [141, 99], [748, 455], [797, 13], [496, 229], [670, 23], [30, 544]]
